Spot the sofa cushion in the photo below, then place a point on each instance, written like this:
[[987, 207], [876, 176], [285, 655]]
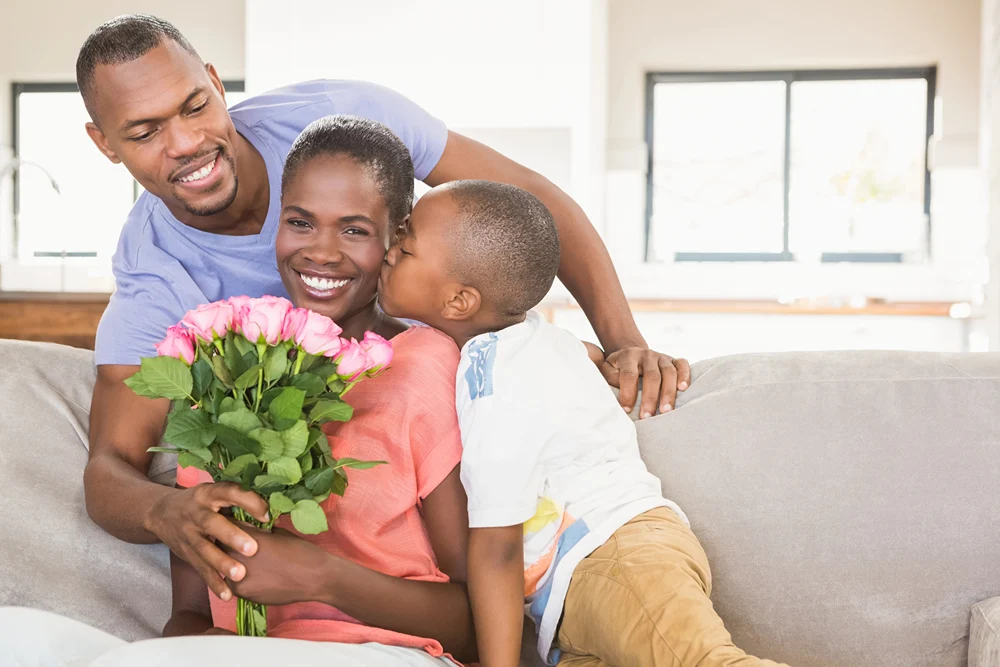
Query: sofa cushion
[[843, 500], [984, 634]]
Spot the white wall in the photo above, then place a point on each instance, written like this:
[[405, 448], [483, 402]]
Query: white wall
[[523, 75], [723, 35], [990, 156], [40, 39]]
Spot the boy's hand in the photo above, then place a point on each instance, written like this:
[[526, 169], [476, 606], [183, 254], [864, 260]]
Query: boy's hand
[[285, 569], [662, 377]]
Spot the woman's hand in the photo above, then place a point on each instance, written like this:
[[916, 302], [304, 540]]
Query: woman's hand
[[662, 377], [285, 569]]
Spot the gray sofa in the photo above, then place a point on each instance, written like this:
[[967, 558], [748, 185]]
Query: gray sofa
[[848, 503]]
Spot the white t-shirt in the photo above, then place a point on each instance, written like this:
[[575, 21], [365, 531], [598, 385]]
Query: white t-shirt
[[547, 445]]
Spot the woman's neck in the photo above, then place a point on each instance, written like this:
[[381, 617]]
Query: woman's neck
[[371, 318]]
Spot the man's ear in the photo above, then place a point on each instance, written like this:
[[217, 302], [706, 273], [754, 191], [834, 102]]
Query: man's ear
[[101, 141], [463, 303], [216, 79]]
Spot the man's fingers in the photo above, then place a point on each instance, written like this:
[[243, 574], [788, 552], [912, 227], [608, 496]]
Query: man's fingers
[[209, 572], [227, 533], [595, 353], [651, 383], [222, 563], [228, 494], [683, 373], [628, 380], [668, 388]]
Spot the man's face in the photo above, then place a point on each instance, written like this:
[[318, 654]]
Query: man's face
[[164, 117], [416, 277]]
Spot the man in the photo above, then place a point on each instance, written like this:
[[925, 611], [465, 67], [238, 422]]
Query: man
[[205, 228]]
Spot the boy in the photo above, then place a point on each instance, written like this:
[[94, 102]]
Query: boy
[[567, 524]]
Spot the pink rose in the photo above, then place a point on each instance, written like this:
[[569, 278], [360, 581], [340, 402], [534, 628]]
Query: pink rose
[[210, 320], [378, 349], [353, 361], [239, 304], [263, 320], [179, 343], [314, 333]]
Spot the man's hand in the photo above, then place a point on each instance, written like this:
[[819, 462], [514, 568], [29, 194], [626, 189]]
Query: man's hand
[[662, 377], [285, 569], [188, 521]]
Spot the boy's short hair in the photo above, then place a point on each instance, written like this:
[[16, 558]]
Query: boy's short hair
[[507, 245], [369, 143], [122, 40]]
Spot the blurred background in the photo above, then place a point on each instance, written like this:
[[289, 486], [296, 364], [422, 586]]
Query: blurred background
[[775, 175]]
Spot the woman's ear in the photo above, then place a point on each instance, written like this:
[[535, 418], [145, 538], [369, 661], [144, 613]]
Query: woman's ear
[[462, 304]]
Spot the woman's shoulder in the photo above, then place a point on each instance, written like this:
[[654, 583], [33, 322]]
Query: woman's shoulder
[[423, 352]]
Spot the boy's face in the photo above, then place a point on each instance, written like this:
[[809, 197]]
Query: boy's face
[[415, 276]]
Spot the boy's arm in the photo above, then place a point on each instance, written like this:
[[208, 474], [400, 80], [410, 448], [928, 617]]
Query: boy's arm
[[191, 613], [496, 589]]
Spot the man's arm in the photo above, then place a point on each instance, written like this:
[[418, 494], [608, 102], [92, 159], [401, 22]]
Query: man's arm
[[496, 589], [587, 271], [123, 501]]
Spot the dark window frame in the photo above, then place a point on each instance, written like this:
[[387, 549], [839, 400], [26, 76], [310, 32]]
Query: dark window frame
[[18, 87], [929, 74]]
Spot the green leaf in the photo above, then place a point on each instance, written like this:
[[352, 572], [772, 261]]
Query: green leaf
[[265, 485], [280, 504], [229, 404], [308, 361], [167, 377], [243, 421], [324, 370], [179, 404], [317, 437], [337, 386], [235, 442], [189, 429], [202, 376], [309, 383], [306, 462], [275, 362], [164, 450], [309, 518], [270, 442], [358, 465], [222, 371], [192, 460], [298, 492], [249, 377], [268, 396], [250, 474], [296, 439], [326, 411], [285, 468], [259, 620], [137, 384], [243, 345], [321, 498], [234, 357], [237, 466], [339, 482], [288, 404], [319, 481]]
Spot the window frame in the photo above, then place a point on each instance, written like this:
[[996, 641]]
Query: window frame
[[929, 74], [18, 87]]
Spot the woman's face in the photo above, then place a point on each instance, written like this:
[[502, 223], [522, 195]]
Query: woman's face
[[332, 237]]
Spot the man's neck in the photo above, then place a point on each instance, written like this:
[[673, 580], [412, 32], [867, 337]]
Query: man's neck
[[248, 212]]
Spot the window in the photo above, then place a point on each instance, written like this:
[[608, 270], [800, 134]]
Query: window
[[69, 200], [777, 166]]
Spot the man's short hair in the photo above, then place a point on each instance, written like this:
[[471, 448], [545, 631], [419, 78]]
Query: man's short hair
[[507, 244], [121, 40], [371, 144]]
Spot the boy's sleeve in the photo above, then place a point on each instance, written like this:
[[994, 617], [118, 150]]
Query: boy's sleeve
[[501, 462]]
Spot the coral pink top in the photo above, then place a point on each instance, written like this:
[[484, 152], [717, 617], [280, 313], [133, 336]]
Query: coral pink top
[[405, 416]]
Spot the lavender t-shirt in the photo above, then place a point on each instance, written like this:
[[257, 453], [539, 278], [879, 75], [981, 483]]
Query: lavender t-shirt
[[163, 268]]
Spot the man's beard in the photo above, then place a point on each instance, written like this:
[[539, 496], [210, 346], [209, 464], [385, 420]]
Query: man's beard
[[207, 210]]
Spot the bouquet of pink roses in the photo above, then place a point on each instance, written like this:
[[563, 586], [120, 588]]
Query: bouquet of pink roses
[[252, 381]]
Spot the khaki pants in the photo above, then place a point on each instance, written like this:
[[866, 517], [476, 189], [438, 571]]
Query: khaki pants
[[642, 599]]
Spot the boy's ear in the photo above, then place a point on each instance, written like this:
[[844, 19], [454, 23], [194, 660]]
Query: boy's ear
[[463, 303], [399, 231]]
